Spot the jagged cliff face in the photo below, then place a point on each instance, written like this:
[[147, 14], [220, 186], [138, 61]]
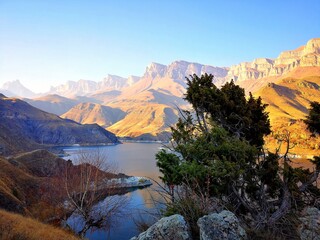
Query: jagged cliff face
[[159, 76], [305, 56], [87, 87], [156, 76]]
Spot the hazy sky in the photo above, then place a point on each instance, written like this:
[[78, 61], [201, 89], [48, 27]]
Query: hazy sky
[[48, 42]]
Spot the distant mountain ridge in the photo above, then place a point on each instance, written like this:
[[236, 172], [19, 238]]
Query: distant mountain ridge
[[53, 103], [304, 56], [16, 89], [149, 103]]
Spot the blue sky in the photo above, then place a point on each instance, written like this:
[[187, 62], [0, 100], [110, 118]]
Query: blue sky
[[48, 42]]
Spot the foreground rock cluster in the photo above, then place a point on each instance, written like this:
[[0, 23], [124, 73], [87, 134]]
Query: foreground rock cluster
[[221, 226], [224, 225]]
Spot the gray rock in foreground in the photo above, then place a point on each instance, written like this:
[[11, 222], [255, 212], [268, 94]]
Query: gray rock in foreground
[[224, 225], [310, 224], [167, 228]]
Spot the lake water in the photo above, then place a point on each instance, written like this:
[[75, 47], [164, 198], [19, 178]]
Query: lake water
[[135, 159]]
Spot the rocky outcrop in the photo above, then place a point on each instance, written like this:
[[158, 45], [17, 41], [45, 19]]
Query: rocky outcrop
[[173, 227], [310, 224], [113, 82], [216, 226], [220, 226], [87, 87]]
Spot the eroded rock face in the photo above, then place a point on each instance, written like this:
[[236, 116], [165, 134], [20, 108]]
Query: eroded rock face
[[173, 227], [224, 225], [304, 56], [310, 224]]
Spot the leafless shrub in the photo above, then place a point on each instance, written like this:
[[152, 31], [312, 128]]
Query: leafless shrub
[[92, 201]]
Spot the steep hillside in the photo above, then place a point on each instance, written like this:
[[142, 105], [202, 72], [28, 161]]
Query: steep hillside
[[22, 123], [145, 120], [291, 97], [53, 103], [14, 226], [17, 187], [88, 113], [289, 100]]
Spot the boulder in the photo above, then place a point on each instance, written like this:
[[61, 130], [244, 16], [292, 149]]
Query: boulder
[[173, 227], [310, 224], [224, 225]]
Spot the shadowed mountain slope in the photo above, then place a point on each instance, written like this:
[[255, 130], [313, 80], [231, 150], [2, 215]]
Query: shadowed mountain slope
[[25, 127]]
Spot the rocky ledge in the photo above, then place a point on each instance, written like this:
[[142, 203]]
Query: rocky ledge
[[126, 182]]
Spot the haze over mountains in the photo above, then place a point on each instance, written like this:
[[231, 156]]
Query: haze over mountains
[[144, 107]]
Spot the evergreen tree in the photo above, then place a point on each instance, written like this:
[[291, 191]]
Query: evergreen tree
[[313, 119], [217, 152], [229, 108]]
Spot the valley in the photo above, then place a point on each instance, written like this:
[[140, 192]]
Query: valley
[[181, 120]]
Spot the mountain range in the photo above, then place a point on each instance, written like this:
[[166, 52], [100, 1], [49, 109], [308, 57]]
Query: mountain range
[[144, 107]]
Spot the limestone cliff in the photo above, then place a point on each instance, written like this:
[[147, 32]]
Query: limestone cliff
[[305, 56]]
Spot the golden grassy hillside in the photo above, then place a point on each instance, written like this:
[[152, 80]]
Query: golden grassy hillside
[[289, 100], [144, 118], [14, 226], [88, 113]]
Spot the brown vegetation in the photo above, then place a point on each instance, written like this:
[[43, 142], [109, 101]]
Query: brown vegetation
[[14, 226]]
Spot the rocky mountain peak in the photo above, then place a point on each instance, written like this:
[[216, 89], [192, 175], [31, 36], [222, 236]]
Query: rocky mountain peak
[[112, 82], [313, 46], [72, 88], [155, 69], [181, 69], [17, 89]]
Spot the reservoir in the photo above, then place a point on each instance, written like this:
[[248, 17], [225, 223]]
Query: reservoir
[[134, 159]]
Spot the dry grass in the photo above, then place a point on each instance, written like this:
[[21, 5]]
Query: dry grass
[[289, 100], [145, 118], [14, 226]]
